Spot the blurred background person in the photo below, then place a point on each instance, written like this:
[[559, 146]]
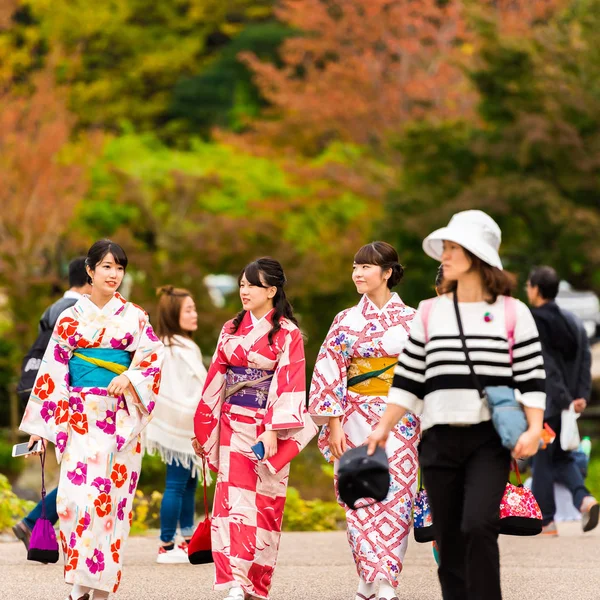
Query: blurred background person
[[567, 359], [78, 286], [172, 427]]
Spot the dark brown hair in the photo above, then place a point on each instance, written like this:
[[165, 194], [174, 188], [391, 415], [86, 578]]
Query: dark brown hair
[[169, 312], [273, 276], [383, 255], [495, 281]]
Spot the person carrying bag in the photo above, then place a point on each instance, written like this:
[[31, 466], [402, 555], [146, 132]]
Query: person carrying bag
[[464, 461]]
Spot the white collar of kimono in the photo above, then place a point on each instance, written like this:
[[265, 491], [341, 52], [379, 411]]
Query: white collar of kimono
[[111, 306], [394, 300], [255, 320]]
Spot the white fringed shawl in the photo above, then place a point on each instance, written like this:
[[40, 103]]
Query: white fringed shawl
[[170, 431]]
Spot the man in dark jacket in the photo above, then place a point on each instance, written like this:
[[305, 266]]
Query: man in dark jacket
[[567, 359], [78, 285]]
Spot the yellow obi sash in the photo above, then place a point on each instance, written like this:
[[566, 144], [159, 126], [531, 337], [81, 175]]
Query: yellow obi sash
[[371, 376]]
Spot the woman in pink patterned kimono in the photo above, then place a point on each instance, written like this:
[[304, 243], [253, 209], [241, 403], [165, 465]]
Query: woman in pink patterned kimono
[[254, 392], [352, 376], [93, 396]]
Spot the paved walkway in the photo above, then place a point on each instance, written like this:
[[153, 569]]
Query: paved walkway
[[318, 566]]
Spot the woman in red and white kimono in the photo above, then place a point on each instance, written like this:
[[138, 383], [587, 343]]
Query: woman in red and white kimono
[[353, 374], [254, 392]]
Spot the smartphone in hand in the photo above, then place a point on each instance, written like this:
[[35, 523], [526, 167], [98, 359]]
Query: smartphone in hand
[[259, 450], [24, 450]]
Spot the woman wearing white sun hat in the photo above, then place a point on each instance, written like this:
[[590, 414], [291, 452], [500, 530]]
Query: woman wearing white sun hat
[[465, 467]]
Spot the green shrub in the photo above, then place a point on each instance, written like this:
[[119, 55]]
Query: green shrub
[[12, 508], [146, 512], [9, 466], [311, 515]]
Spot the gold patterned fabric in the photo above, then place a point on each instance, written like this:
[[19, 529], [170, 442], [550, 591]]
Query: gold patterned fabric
[[371, 376]]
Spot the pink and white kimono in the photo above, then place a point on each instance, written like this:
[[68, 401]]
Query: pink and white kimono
[[97, 436], [378, 534], [252, 386]]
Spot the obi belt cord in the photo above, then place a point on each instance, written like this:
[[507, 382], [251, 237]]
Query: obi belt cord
[[248, 387], [371, 376], [97, 367]]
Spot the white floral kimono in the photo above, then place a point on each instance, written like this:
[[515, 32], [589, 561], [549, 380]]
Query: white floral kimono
[[358, 339], [97, 436]]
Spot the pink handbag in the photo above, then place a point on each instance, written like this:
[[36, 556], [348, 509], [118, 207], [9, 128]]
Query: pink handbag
[[520, 513]]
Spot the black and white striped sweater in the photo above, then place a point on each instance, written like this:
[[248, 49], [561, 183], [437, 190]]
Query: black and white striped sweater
[[433, 378]]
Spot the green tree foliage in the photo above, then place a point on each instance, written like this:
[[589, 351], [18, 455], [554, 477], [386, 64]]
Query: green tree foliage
[[223, 93], [532, 159], [185, 214], [124, 57]]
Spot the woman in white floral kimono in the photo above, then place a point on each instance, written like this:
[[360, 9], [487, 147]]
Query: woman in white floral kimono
[[353, 373], [93, 396]]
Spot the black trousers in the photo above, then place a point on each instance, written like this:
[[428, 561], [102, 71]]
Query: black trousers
[[465, 470], [555, 464]]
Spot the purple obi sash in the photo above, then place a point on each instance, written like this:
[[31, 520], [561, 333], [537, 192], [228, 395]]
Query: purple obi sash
[[248, 387]]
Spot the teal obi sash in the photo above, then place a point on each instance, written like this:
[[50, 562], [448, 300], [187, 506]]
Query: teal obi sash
[[97, 367]]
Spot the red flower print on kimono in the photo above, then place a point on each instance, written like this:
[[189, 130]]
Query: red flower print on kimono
[[118, 582], [62, 412], [67, 327], [115, 550], [63, 543], [83, 524], [96, 563], [78, 476], [44, 387], [119, 475], [149, 362], [72, 560], [103, 504], [79, 423]]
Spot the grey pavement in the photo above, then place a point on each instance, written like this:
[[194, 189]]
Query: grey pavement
[[318, 566]]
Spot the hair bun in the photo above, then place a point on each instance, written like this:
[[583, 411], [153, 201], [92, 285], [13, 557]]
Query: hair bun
[[396, 276], [165, 290]]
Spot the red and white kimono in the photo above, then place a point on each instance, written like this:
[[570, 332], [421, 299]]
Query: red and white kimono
[[250, 495], [378, 534]]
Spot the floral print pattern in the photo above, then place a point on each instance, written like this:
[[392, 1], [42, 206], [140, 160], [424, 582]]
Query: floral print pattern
[[96, 435], [378, 534]]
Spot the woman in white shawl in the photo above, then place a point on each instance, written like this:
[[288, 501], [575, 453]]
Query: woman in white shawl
[[172, 427]]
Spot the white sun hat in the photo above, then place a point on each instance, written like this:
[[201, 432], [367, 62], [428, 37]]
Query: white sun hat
[[472, 229]]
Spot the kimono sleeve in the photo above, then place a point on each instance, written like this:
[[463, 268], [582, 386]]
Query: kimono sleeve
[[287, 393], [47, 411], [208, 412], [328, 388], [144, 371]]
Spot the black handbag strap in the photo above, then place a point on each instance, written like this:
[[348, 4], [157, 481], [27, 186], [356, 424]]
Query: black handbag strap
[[463, 339]]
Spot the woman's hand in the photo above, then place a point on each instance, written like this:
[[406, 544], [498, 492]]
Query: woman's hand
[[337, 438], [118, 385], [528, 443], [390, 418], [36, 438], [269, 440], [378, 437], [198, 449]]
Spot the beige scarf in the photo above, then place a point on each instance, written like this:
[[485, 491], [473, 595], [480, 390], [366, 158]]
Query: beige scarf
[[170, 431]]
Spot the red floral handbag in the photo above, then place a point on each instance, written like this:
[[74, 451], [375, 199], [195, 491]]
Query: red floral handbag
[[520, 513], [200, 547]]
